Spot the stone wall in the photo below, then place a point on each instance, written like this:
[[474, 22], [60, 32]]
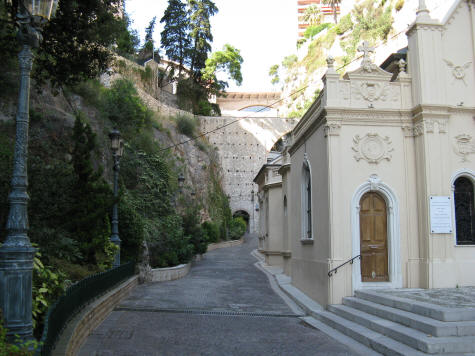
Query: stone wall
[[243, 145]]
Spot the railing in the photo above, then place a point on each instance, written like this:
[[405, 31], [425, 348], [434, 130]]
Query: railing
[[350, 261], [75, 298]]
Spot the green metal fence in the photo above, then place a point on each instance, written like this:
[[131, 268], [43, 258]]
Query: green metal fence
[[75, 298]]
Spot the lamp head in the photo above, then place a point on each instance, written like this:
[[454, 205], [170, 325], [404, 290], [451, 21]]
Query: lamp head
[[181, 179], [114, 136]]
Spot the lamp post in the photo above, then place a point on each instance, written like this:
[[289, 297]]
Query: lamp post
[[117, 147], [16, 254], [252, 208], [181, 181]]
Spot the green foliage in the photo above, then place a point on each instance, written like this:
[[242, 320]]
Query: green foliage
[[274, 74], [193, 231], [200, 32], [47, 287], [289, 61], [312, 31], [76, 41], [333, 4], [132, 230], [92, 92], [128, 39], [371, 23], [211, 231], [123, 106], [92, 200], [228, 60], [344, 25], [218, 203], [175, 37], [169, 247], [312, 15], [399, 5], [15, 349], [237, 228], [186, 125]]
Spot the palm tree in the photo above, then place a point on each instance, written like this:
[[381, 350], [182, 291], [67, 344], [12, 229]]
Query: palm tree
[[312, 15], [333, 4]]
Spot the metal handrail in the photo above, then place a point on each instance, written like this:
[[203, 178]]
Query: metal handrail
[[350, 261]]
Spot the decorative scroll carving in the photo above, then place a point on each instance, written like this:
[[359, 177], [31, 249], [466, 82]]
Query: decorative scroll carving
[[372, 148], [458, 72], [464, 146], [371, 91]]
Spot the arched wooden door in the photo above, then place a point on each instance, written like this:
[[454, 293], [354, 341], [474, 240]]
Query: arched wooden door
[[373, 238]]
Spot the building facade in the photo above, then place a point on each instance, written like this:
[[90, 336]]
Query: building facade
[[381, 169]]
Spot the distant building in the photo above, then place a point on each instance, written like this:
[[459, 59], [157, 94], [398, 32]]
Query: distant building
[[302, 5]]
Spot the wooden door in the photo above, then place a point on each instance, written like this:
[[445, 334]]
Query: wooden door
[[373, 238]]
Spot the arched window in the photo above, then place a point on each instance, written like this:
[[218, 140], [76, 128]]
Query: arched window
[[306, 201], [464, 211]]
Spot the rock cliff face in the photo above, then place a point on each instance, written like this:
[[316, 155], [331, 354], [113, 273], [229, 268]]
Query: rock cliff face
[[195, 157]]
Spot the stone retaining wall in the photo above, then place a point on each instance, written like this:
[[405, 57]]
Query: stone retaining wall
[[170, 273], [79, 328], [223, 244]]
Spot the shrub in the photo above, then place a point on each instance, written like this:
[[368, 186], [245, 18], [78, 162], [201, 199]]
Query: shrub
[[312, 31], [123, 106], [186, 125], [237, 228], [345, 24], [211, 231], [20, 349], [169, 247]]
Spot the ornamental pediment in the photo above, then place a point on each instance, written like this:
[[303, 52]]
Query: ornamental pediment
[[368, 70]]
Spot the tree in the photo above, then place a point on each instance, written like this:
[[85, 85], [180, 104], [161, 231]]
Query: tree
[[127, 40], [76, 41], [93, 199], [200, 31], [149, 34], [228, 60], [274, 74], [312, 15], [175, 38], [333, 4]]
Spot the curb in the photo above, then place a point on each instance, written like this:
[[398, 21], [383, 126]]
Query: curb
[[170, 273], [297, 298], [225, 244]]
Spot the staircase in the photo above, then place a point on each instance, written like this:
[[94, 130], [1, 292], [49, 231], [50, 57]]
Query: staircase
[[393, 325]]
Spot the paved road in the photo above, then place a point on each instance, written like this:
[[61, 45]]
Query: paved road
[[225, 306]]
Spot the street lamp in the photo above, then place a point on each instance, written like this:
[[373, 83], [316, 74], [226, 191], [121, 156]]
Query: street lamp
[[16, 254], [181, 181], [117, 147]]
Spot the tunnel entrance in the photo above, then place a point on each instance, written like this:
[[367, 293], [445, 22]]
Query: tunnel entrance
[[243, 214]]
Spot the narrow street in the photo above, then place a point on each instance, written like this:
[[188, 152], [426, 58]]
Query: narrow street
[[225, 306]]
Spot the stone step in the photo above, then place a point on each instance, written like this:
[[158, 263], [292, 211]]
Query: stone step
[[427, 325], [411, 337], [425, 309], [367, 337]]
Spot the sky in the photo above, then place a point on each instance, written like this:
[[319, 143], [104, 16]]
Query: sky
[[265, 31]]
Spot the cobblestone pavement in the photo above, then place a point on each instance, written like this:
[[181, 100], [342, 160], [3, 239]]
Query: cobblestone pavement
[[225, 306]]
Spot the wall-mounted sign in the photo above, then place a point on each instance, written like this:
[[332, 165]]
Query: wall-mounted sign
[[440, 215]]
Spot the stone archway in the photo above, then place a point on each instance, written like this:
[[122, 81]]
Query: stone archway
[[243, 214]]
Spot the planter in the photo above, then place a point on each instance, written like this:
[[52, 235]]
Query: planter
[[170, 273]]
